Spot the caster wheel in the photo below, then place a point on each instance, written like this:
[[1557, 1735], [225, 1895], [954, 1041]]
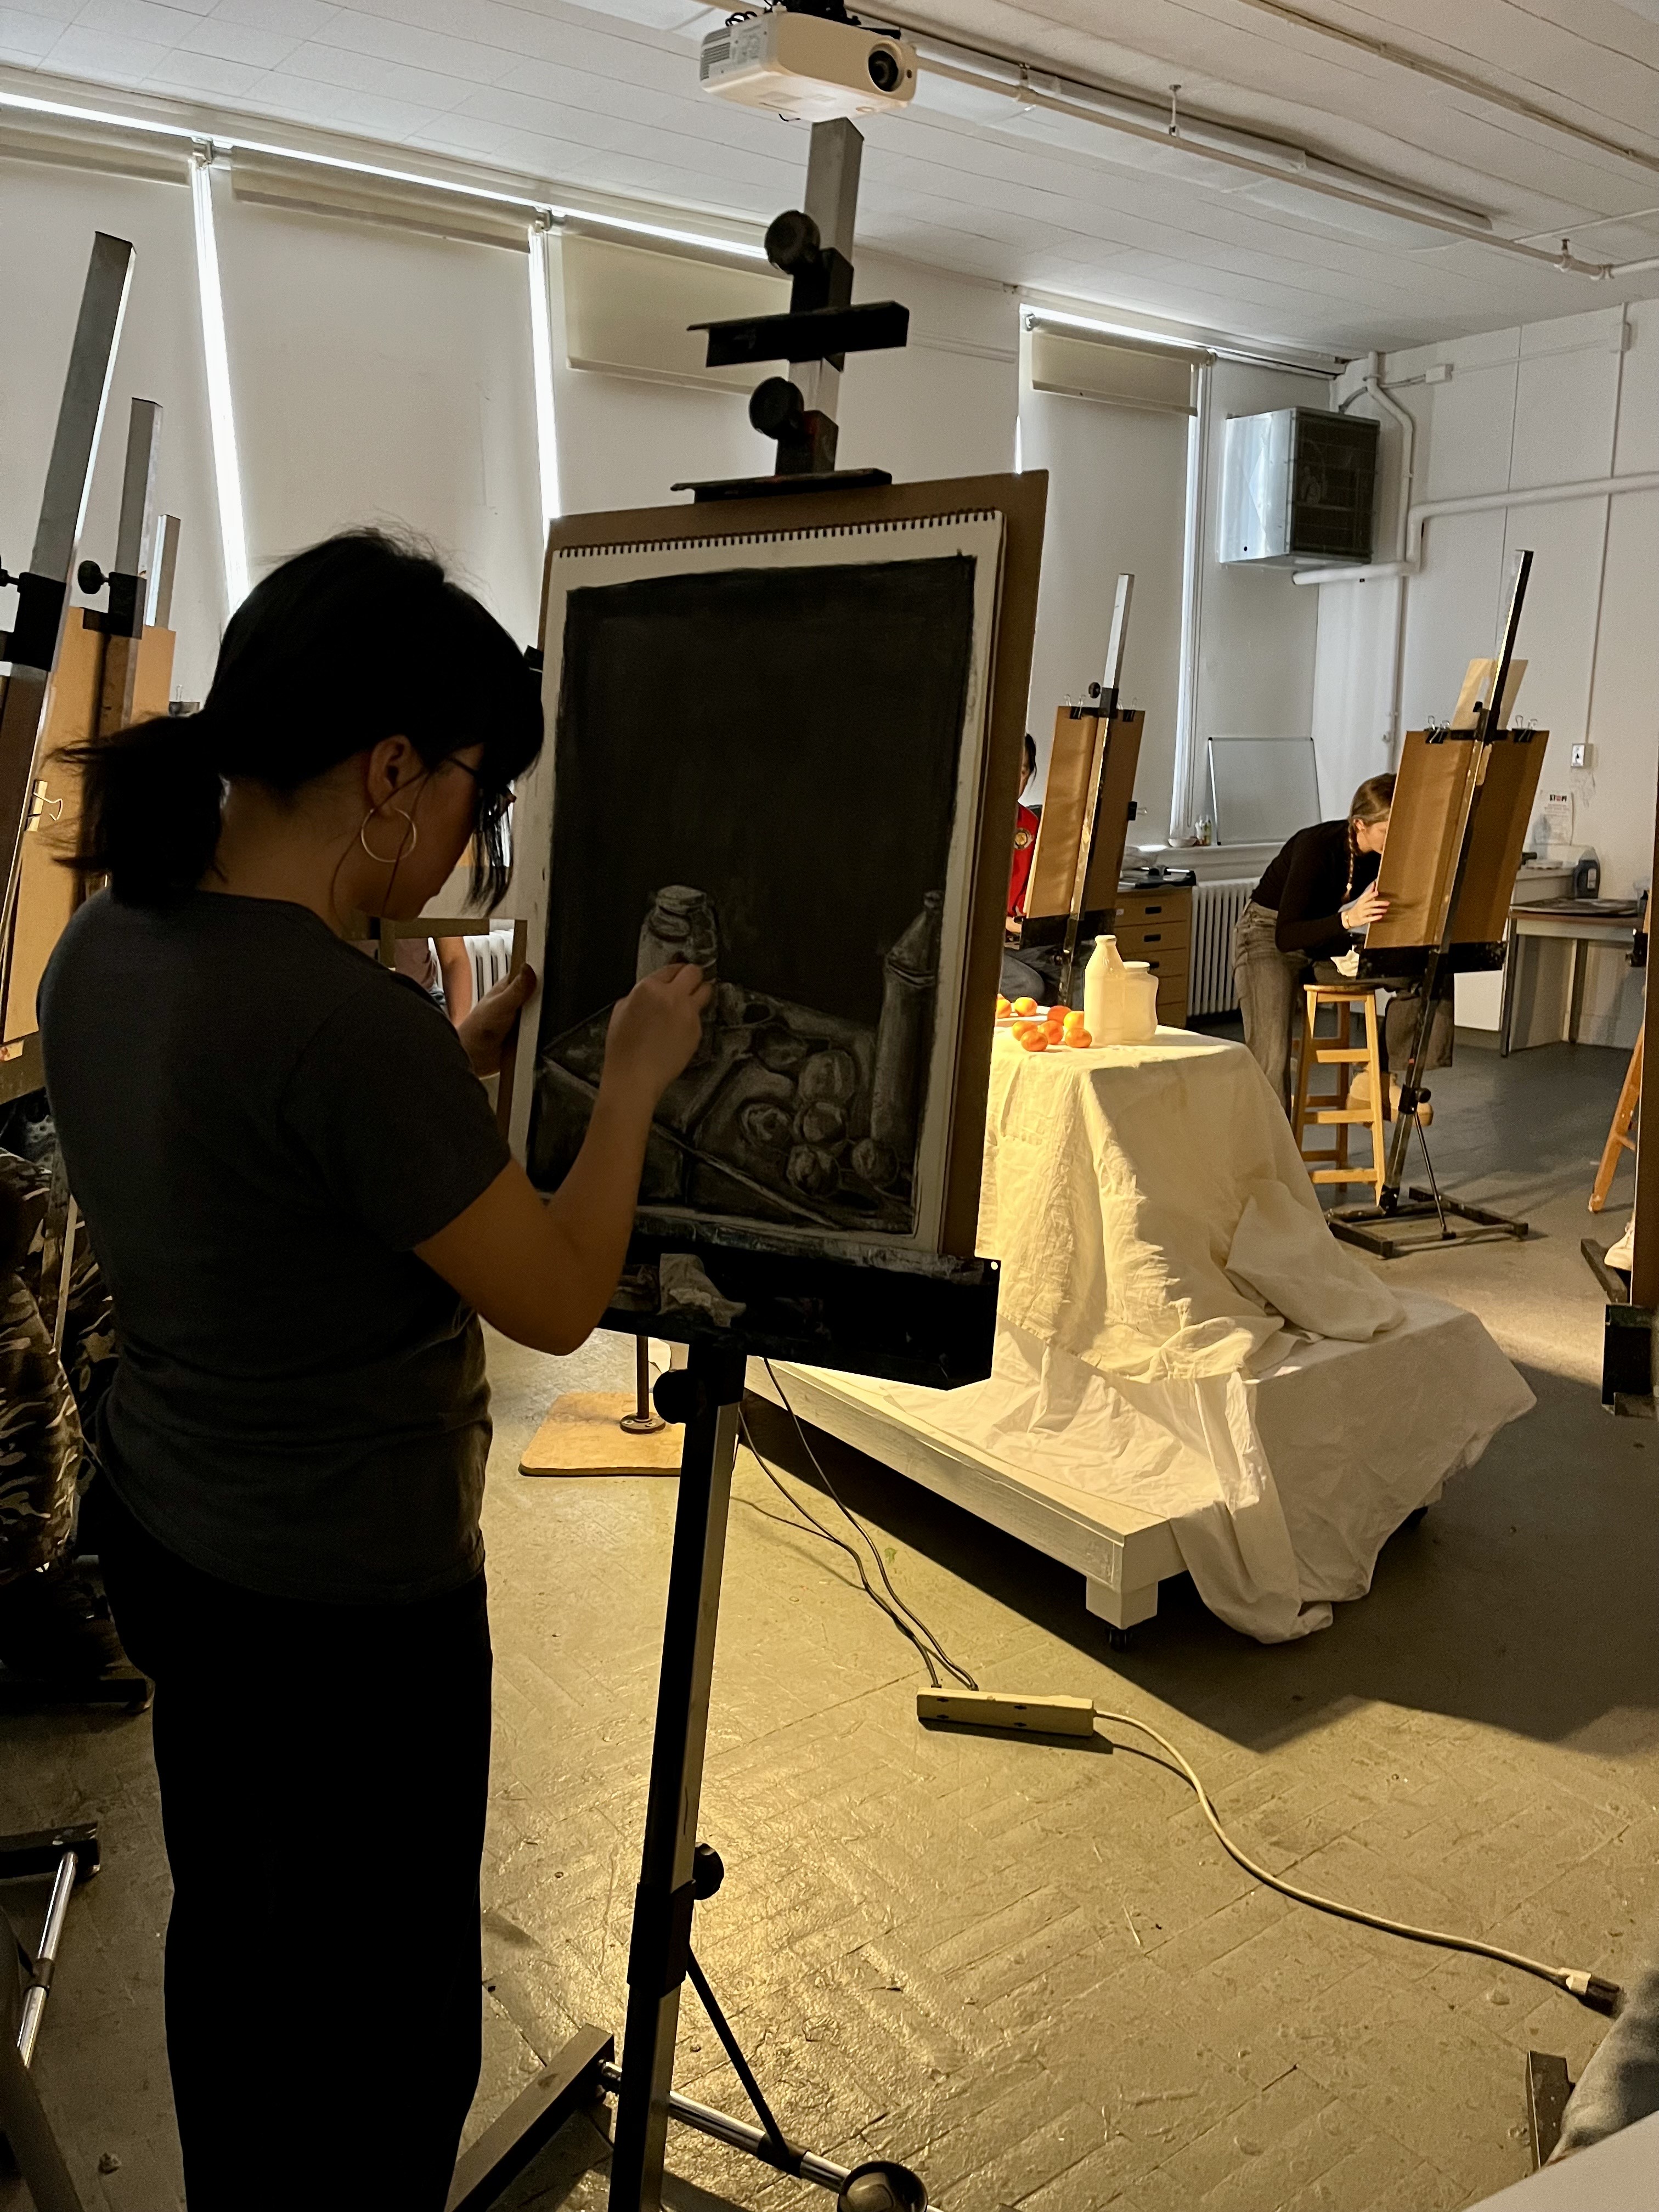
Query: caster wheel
[[1415, 1520], [1120, 1639], [883, 2185]]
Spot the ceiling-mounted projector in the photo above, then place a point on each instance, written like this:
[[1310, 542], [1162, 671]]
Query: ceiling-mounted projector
[[808, 67]]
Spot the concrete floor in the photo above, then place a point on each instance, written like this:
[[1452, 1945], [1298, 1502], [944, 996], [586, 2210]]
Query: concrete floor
[[1028, 1969]]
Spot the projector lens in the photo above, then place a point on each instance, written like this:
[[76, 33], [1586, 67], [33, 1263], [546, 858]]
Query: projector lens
[[884, 67]]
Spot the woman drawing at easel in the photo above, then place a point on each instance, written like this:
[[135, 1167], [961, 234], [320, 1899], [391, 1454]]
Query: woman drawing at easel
[[1316, 898], [301, 1203]]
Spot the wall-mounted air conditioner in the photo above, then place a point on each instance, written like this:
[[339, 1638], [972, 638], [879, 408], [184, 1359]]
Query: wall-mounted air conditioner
[[1298, 485]]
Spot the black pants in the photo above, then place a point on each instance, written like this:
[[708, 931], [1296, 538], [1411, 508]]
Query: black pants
[[323, 1771]]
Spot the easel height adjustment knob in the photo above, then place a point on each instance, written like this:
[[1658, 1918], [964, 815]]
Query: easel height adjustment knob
[[679, 1396]]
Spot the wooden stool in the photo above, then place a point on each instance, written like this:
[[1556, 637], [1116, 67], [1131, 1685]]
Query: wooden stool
[[1331, 1108], [1619, 1139]]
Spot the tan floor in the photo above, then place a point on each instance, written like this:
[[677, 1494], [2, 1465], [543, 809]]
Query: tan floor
[[1028, 1969]]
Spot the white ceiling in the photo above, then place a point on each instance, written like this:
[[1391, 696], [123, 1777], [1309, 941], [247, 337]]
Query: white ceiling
[[605, 99]]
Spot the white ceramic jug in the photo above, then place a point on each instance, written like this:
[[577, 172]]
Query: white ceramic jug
[[1102, 991], [1120, 997]]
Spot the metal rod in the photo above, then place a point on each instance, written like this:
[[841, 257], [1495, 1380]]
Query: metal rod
[[51, 1934], [662, 1905], [739, 2134], [641, 1422], [1105, 713], [65, 1274], [740, 2066]]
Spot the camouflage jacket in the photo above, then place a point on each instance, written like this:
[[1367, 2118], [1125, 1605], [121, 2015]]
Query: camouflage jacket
[[44, 1462]]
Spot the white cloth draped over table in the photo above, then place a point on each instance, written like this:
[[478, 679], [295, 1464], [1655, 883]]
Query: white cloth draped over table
[[1163, 1251]]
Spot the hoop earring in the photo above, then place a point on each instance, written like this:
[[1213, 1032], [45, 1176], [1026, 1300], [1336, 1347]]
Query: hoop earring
[[408, 846]]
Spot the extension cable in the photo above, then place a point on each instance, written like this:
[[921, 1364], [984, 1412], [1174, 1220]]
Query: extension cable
[[971, 1707], [1076, 1717]]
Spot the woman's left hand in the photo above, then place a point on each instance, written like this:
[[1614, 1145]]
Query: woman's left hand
[[486, 1030]]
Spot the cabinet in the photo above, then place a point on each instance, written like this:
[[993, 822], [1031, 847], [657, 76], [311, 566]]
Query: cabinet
[[1156, 927]]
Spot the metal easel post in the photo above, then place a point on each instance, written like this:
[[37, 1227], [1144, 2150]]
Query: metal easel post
[[1106, 692], [43, 590], [711, 1387]]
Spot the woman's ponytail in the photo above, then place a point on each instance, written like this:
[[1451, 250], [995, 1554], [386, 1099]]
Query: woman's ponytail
[[150, 800]]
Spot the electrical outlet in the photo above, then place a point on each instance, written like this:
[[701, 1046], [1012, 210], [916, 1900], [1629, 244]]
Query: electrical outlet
[[1584, 755]]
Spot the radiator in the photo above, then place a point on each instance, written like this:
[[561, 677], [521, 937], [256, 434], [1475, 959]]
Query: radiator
[[492, 957], [1216, 908]]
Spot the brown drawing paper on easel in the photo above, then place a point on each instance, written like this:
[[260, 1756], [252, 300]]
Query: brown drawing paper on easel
[[1445, 781], [1063, 830]]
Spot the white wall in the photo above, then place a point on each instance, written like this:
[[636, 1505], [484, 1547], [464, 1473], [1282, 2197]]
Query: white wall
[[1117, 491], [1565, 401], [1256, 633], [48, 214]]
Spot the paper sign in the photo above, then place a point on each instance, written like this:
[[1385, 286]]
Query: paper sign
[[1554, 824]]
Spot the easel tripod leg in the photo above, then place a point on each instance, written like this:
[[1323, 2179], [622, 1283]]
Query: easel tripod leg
[[713, 1383]]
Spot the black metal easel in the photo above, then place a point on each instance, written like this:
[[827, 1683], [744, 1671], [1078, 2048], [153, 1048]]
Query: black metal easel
[[935, 1326], [1376, 1228]]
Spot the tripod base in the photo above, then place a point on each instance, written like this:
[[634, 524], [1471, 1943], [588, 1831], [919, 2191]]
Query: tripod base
[[1418, 1223], [585, 2072]]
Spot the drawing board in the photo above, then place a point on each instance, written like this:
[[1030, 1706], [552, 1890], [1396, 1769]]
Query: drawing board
[[783, 742], [1440, 784], [1062, 830]]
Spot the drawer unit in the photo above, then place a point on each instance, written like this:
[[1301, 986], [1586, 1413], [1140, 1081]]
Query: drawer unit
[[1156, 927]]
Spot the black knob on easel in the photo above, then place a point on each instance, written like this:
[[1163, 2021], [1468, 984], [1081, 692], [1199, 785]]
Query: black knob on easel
[[707, 1871], [679, 1396], [776, 409], [793, 241], [91, 578]]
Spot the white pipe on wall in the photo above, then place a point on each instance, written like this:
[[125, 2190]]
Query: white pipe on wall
[[1483, 502]]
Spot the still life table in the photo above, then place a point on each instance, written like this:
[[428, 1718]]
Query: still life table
[[1191, 1373]]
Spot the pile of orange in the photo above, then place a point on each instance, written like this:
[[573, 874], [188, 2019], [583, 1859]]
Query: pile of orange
[[1037, 1027]]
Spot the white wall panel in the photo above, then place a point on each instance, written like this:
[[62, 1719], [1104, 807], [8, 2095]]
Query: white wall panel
[[1637, 449], [1451, 612], [946, 404], [384, 376], [1117, 490], [1566, 404], [1617, 796], [1256, 629], [48, 214], [1473, 428]]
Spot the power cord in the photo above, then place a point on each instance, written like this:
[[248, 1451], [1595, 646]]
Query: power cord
[[1077, 1716]]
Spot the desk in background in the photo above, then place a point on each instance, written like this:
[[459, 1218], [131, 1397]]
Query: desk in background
[[1561, 951]]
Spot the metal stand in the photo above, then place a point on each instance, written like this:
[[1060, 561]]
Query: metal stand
[[675, 1872], [1106, 692], [1374, 1228], [68, 1854]]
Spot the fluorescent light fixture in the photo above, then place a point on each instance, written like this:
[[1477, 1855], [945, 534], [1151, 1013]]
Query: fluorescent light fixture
[[541, 353], [1367, 220], [221, 420]]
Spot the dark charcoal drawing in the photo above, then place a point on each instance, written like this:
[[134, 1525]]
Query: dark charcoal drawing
[[756, 770]]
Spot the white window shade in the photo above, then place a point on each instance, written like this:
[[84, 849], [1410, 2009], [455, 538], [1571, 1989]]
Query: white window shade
[[380, 375], [49, 211], [1122, 372], [627, 311], [270, 181], [1117, 494]]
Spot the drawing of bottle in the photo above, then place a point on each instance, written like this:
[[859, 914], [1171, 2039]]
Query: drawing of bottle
[[681, 924], [909, 987]]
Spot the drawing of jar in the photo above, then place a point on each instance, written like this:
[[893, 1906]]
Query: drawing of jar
[[681, 925], [910, 985]]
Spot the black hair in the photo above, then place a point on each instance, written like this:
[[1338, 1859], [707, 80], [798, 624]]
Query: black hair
[[358, 639], [1029, 748]]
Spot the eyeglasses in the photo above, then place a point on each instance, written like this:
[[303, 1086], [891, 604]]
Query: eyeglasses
[[502, 798]]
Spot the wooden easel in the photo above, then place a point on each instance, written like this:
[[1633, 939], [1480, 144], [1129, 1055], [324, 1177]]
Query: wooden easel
[[1619, 1137], [1086, 810], [1461, 808]]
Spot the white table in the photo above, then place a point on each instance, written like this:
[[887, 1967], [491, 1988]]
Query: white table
[[1544, 998], [1147, 1414]]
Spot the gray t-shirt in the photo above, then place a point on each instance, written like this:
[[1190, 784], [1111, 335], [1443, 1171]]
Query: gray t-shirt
[[258, 1125]]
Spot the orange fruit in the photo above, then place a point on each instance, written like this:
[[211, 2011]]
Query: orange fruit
[[1025, 1005], [1003, 1006], [1034, 1039], [1080, 1037]]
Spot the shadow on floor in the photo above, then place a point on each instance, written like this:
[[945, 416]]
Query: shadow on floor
[[1524, 1600]]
